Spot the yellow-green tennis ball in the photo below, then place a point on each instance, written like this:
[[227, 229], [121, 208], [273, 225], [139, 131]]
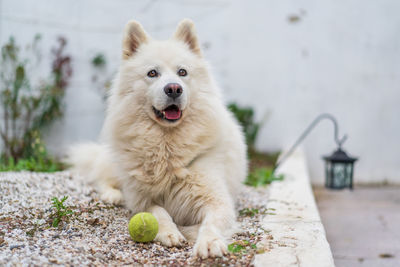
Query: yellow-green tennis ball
[[143, 227]]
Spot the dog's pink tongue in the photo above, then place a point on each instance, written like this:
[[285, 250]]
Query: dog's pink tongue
[[172, 114]]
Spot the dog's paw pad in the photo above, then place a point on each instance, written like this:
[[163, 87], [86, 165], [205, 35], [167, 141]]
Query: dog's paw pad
[[112, 196], [170, 237], [205, 248]]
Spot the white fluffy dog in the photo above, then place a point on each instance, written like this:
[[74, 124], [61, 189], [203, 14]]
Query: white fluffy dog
[[169, 145]]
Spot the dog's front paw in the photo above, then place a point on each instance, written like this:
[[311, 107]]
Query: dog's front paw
[[209, 246], [170, 236], [112, 196]]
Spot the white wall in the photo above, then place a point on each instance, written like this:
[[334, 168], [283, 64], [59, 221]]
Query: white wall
[[341, 57]]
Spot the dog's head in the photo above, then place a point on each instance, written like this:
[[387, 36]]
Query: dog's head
[[164, 76]]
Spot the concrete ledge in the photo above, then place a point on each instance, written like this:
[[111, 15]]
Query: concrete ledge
[[296, 236]]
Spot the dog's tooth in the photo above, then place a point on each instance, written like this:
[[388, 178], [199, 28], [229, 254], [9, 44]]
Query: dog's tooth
[[163, 113]]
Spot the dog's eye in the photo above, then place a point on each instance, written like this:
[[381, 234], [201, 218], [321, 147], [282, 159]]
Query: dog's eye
[[152, 74], [182, 72]]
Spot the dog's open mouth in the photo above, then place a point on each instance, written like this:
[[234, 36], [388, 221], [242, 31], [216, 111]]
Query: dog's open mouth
[[171, 113]]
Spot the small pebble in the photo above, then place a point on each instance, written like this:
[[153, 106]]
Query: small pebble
[[16, 246]]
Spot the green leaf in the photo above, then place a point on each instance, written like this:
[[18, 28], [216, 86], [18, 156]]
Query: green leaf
[[99, 61], [64, 198], [56, 221]]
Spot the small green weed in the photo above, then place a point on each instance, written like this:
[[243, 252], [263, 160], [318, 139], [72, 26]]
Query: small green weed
[[251, 212], [241, 246], [61, 211], [262, 176]]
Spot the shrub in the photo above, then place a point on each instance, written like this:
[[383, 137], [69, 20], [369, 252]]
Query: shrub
[[245, 116], [28, 109], [261, 164], [101, 77]]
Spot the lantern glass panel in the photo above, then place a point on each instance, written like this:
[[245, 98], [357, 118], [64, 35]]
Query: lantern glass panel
[[350, 175], [328, 174], [339, 175]]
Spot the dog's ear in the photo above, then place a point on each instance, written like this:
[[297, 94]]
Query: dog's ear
[[134, 36], [187, 33]]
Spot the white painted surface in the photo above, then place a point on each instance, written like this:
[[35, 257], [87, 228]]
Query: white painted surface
[[298, 236], [341, 57]]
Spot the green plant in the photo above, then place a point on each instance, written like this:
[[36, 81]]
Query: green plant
[[61, 212], [262, 176], [251, 212], [245, 116], [99, 61], [260, 171], [31, 164], [39, 161], [241, 246], [27, 108], [100, 77]]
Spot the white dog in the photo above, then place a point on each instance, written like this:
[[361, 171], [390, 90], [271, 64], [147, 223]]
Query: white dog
[[169, 145]]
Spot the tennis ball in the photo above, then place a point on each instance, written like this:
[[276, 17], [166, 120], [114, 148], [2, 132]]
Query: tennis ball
[[143, 227]]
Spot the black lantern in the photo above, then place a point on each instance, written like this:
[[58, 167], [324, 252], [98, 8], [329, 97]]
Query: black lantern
[[338, 166], [339, 170]]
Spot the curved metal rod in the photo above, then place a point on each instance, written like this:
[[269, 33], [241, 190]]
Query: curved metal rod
[[338, 141]]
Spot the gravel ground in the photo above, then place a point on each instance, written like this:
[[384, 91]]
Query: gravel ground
[[96, 233]]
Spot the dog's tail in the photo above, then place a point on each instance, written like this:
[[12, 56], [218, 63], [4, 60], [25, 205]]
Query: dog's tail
[[85, 159], [92, 161]]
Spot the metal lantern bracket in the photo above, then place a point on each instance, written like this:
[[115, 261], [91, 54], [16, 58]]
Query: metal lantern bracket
[[339, 141]]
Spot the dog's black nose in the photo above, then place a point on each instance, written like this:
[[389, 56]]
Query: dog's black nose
[[173, 90]]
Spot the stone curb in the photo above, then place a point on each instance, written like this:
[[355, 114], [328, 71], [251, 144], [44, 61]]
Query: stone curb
[[296, 236]]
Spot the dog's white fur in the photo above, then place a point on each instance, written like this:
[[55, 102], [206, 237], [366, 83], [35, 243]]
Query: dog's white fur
[[186, 173]]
